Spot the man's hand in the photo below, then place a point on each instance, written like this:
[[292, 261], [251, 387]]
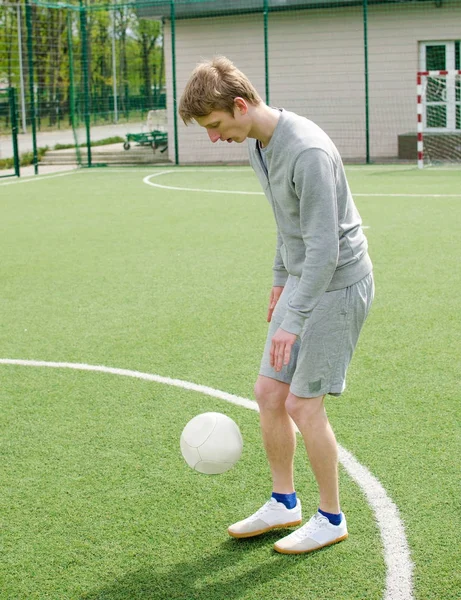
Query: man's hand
[[282, 343], [275, 295]]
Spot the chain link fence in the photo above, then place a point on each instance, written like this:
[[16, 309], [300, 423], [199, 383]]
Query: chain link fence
[[99, 83]]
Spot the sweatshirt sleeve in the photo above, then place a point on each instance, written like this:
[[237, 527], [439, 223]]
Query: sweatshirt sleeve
[[280, 272], [314, 183]]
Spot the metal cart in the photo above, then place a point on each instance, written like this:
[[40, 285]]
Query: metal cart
[[150, 135]]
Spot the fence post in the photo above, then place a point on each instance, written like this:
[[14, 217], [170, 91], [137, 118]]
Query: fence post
[[173, 65], [21, 72], [114, 64], [71, 86], [14, 128], [367, 107], [86, 85], [30, 60], [266, 48]]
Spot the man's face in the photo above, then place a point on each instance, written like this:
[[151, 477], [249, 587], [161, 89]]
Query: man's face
[[220, 125]]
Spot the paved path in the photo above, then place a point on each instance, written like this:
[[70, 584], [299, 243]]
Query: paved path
[[65, 136], [29, 171]]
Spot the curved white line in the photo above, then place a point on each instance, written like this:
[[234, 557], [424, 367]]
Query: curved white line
[[138, 375], [188, 189], [399, 567]]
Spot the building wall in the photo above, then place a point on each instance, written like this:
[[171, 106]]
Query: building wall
[[394, 37], [316, 61], [317, 64], [242, 41]]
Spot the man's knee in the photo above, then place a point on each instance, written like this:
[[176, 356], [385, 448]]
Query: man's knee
[[305, 410], [270, 394]]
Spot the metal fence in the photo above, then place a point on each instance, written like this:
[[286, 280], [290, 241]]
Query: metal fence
[[78, 68], [89, 74]]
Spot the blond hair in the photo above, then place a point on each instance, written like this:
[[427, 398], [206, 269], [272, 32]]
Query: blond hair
[[213, 85]]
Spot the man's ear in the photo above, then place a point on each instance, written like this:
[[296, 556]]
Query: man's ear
[[241, 105]]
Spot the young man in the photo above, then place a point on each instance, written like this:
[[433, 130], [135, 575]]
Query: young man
[[322, 292]]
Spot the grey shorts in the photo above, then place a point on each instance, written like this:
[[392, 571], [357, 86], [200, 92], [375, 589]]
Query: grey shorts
[[322, 352]]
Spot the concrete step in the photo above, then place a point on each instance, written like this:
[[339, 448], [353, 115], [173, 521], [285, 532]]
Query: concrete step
[[112, 159], [113, 154]]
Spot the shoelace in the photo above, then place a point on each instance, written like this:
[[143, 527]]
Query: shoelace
[[268, 506], [316, 523]]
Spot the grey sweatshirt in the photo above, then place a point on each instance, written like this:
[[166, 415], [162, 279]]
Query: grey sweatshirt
[[319, 233]]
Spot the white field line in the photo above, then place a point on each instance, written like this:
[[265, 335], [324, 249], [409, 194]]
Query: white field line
[[383, 168], [171, 169], [390, 168], [409, 195], [147, 181], [188, 189], [399, 567], [36, 178]]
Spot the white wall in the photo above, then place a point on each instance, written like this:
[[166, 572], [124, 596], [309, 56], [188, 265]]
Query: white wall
[[242, 41], [316, 61], [394, 38]]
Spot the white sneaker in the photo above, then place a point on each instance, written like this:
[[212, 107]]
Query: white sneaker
[[315, 534], [272, 515]]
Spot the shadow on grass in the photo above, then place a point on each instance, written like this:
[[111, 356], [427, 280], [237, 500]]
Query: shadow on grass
[[213, 576]]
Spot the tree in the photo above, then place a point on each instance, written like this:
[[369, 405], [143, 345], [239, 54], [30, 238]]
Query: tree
[[55, 40], [101, 71], [124, 17], [147, 34], [8, 42]]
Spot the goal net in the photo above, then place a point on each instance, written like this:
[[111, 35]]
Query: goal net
[[439, 117]]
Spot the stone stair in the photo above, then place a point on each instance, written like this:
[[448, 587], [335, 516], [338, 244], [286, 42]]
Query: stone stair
[[111, 155]]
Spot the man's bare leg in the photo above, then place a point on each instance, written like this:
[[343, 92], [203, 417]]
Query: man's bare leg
[[279, 438], [278, 431], [322, 529], [310, 416]]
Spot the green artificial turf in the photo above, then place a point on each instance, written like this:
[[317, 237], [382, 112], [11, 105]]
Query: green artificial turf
[[96, 501]]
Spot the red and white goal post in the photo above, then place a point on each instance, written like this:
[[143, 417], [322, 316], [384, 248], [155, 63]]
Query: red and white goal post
[[439, 92]]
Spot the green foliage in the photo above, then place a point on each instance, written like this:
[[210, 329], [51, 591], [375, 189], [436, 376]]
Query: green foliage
[[137, 44], [106, 141], [25, 159]]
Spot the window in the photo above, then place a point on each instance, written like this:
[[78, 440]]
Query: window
[[442, 94], [436, 58]]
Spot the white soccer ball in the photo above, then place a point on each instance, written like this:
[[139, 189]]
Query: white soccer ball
[[211, 443]]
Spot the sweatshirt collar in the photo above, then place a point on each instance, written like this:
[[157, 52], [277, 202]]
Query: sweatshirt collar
[[271, 143]]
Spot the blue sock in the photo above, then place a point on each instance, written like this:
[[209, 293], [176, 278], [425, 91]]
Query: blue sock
[[334, 519], [288, 499]]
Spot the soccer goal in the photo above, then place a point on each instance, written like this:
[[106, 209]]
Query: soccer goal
[[439, 117]]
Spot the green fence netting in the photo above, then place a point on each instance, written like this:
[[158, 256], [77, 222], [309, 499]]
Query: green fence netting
[[99, 83]]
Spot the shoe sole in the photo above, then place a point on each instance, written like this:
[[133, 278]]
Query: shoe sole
[[285, 551], [261, 531]]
